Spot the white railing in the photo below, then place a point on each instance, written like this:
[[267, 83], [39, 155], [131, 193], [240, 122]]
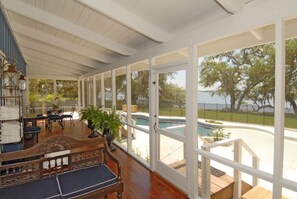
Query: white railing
[[238, 145]]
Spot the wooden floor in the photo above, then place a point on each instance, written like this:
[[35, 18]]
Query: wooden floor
[[139, 182]]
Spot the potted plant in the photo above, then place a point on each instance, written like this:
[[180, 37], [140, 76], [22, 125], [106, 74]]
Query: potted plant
[[93, 116], [111, 123]]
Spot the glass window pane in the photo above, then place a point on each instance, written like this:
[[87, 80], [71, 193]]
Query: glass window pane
[[235, 100], [172, 97], [91, 93], [81, 93], [290, 141], [140, 87], [140, 144], [67, 92], [98, 91], [86, 94], [172, 154], [121, 88], [41, 96], [107, 90]]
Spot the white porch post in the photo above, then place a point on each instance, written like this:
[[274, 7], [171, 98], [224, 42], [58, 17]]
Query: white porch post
[[236, 172], [153, 115], [102, 90], [128, 76], [79, 94], [279, 113], [113, 89], [191, 121], [94, 91], [83, 92], [89, 90]]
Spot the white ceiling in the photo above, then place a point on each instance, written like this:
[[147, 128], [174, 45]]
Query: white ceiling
[[70, 38]]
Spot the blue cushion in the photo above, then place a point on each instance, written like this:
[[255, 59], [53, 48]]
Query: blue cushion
[[37, 189], [54, 117], [32, 129], [80, 182], [12, 147]]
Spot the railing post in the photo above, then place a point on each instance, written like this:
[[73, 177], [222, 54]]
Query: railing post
[[255, 166], [205, 174], [237, 173]]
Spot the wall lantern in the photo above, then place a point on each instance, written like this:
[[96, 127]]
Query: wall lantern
[[22, 83], [10, 78]]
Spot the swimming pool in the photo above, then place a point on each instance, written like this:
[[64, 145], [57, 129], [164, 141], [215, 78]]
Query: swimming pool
[[175, 126]]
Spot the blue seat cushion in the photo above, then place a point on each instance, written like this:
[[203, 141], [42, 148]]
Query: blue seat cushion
[[37, 189], [32, 129], [87, 180], [54, 117]]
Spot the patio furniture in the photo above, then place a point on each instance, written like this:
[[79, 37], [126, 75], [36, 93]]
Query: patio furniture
[[61, 167], [54, 117]]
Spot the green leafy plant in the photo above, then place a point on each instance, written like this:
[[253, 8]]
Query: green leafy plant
[[112, 121], [218, 134], [92, 114]]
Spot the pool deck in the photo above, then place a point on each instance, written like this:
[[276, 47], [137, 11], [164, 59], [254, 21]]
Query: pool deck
[[258, 137]]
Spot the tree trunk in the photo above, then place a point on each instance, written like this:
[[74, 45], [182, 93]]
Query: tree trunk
[[233, 100], [293, 104]]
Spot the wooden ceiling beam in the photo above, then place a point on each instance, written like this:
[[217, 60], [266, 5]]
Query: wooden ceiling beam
[[123, 16], [66, 26]]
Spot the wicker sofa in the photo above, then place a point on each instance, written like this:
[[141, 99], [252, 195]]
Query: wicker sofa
[[61, 167]]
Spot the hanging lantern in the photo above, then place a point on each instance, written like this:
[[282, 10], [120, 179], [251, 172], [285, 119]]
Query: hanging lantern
[[10, 78], [22, 83]]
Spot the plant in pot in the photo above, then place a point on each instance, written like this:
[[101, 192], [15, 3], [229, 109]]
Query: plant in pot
[[111, 123], [93, 116]]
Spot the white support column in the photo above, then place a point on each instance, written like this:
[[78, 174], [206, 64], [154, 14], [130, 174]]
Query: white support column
[[152, 112], [205, 175], [279, 110], [83, 92], [236, 172], [79, 94], [94, 91], [102, 90], [191, 121], [129, 98], [90, 79], [113, 89]]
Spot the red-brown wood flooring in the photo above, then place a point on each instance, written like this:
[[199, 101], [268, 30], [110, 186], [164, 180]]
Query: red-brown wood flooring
[[139, 182]]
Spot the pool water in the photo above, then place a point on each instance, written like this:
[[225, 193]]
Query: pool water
[[174, 126]]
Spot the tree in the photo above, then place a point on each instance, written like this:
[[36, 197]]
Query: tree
[[264, 93], [67, 89], [173, 95], [140, 85], [291, 73], [237, 73], [39, 89]]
